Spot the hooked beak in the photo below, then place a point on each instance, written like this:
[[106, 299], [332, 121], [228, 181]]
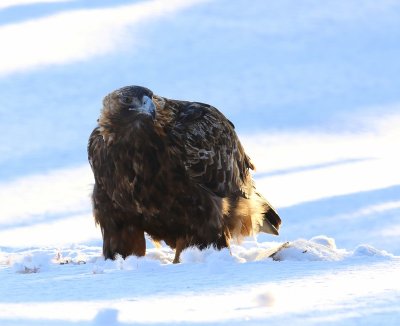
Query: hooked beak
[[149, 106], [152, 110]]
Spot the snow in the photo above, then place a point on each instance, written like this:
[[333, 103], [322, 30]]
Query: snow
[[313, 92], [67, 37], [208, 287], [10, 3]]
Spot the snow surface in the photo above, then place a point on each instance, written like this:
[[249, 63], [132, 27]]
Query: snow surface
[[11, 3], [313, 91]]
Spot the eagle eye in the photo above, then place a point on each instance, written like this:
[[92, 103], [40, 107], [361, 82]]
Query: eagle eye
[[125, 100]]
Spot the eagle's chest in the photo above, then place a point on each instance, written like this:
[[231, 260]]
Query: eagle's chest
[[145, 179]]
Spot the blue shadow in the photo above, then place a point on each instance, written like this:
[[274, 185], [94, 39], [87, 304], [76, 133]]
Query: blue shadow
[[335, 215]]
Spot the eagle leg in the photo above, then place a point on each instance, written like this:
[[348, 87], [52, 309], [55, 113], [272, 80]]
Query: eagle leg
[[120, 236], [133, 242], [127, 241], [181, 244]]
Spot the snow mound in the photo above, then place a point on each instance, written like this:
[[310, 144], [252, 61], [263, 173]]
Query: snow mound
[[325, 241], [106, 317], [209, 256], [318, 248], [152, 261], [365, 250], [323, 248], [310, 250], [34, 262], [77, 255], [140, 263]]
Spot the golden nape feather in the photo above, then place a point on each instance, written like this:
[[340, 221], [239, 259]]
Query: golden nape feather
[[175, 170]]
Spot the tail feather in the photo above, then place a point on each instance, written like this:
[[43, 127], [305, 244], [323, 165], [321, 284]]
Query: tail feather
[[248, 216], [271, 221]]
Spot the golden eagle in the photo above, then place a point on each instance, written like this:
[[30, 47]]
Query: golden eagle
[[175, 170]]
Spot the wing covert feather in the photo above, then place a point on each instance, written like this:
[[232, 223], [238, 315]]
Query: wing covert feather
[[214, 156], [103, 170]]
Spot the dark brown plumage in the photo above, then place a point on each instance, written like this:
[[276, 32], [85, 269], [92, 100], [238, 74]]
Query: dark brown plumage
[[173, 169]]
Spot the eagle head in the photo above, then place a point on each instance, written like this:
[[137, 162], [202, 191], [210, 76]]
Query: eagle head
[[124, 107]]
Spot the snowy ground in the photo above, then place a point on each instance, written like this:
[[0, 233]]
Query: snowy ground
[[313, 92]]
